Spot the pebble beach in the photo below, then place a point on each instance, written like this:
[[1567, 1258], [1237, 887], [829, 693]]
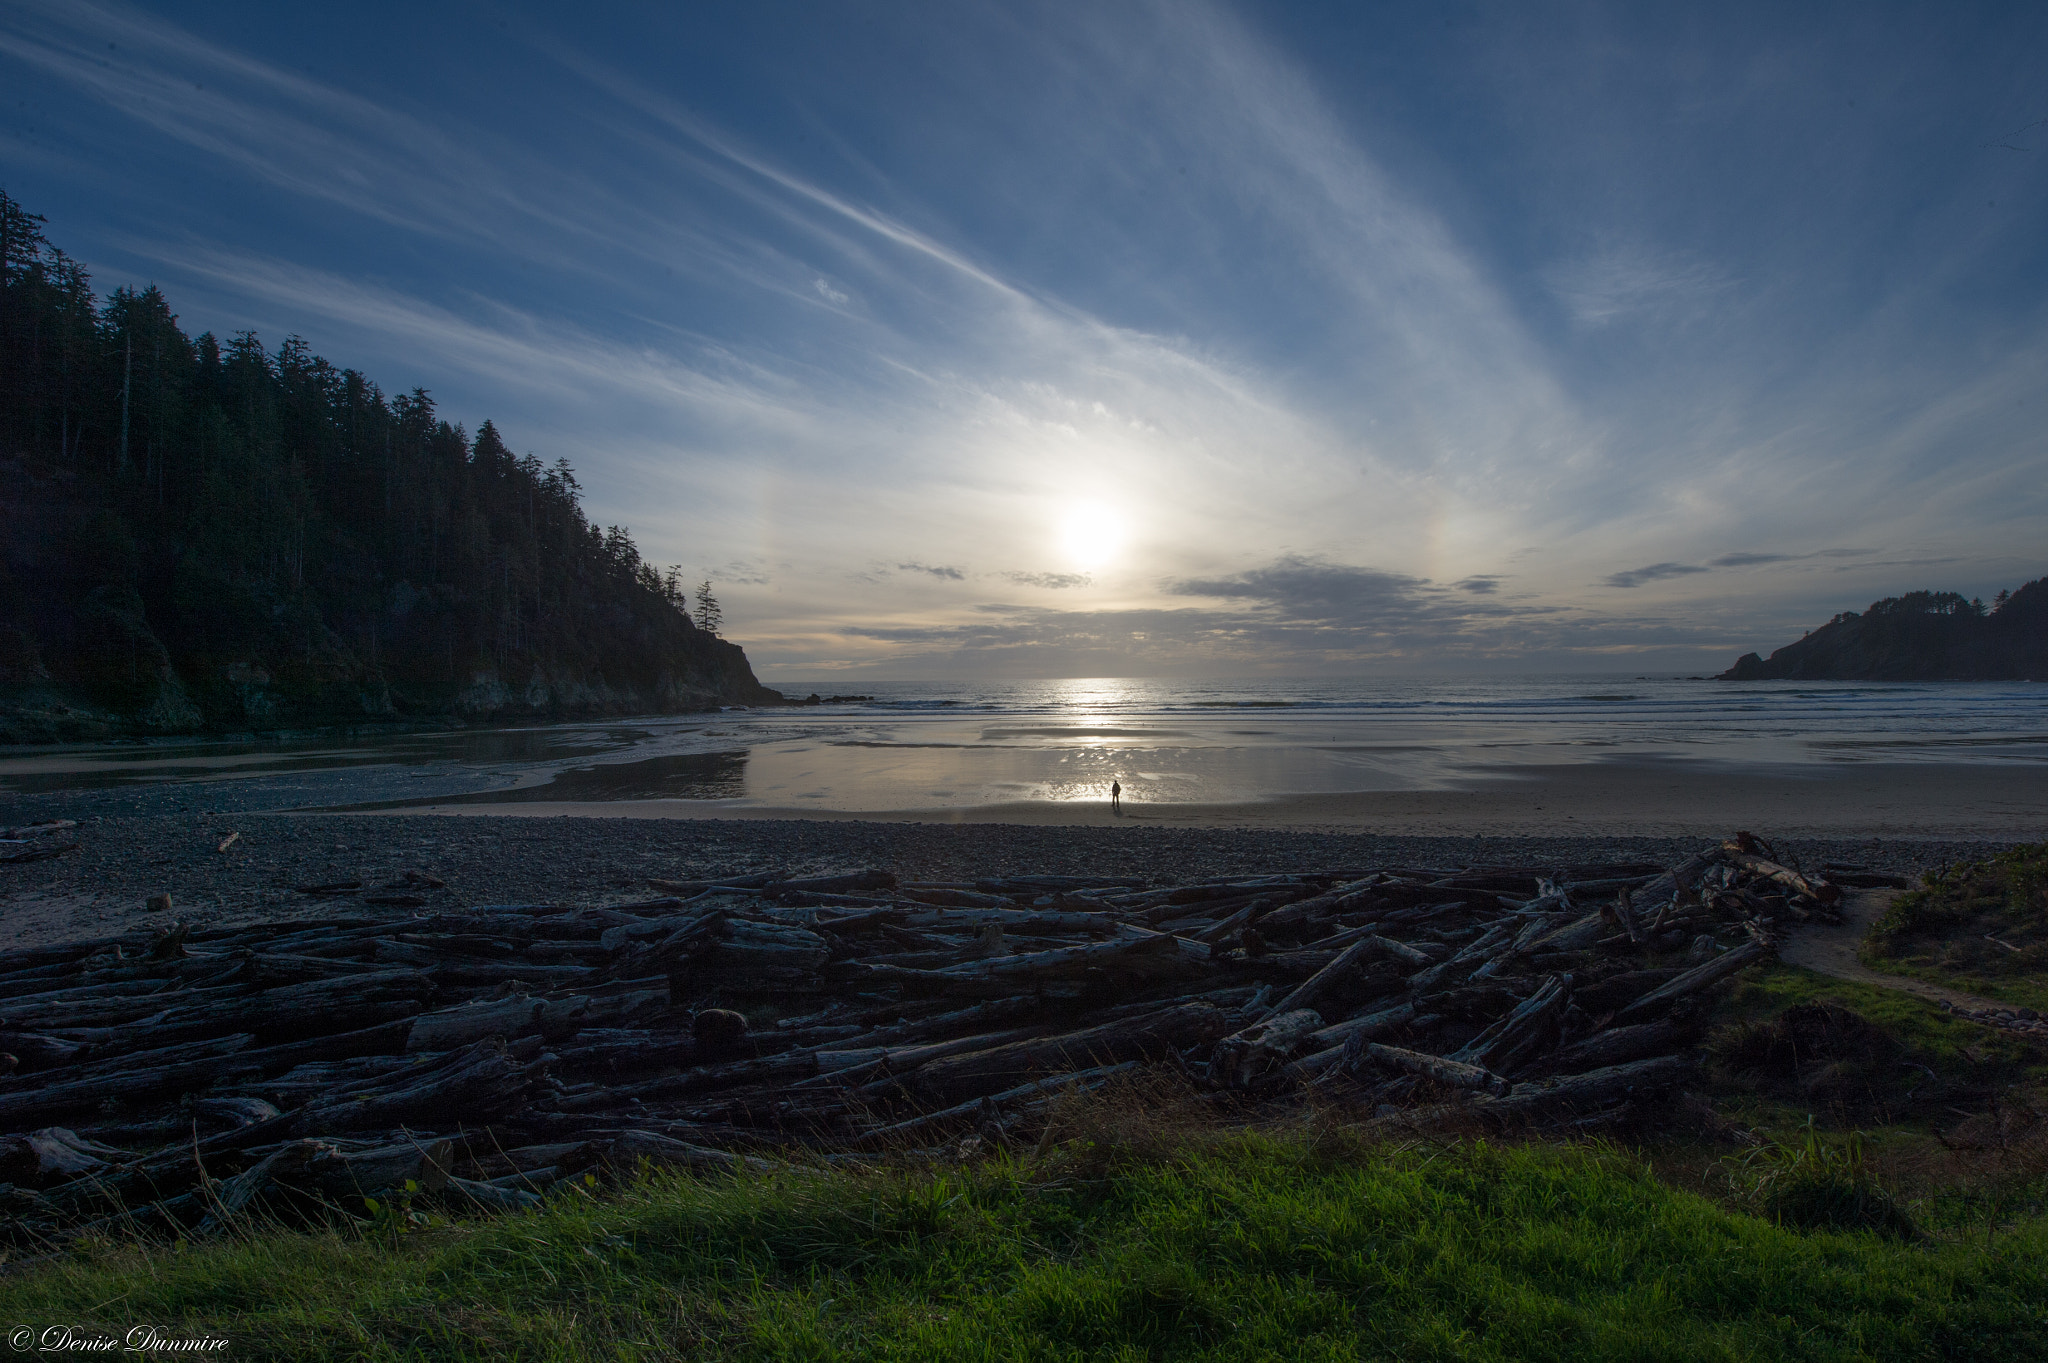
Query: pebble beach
[[105, 886]]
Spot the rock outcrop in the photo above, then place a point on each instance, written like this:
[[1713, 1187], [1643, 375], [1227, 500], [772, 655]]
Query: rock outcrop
[[1922, 636]]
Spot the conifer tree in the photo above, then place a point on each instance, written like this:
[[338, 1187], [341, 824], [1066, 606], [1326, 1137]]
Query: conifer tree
[[709, 617]]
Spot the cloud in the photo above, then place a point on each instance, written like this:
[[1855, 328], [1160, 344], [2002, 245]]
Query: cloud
[[1899, 563], [1614, 282], [1748, 560], [1306, 591], [941, 571], [1636, 577], [1055, 581], [827, 292], [1484, 584]]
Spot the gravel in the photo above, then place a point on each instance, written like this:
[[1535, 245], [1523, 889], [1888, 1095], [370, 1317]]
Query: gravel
[[102, 889]]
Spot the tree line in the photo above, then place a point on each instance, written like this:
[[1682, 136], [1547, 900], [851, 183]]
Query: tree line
[[227, 505]]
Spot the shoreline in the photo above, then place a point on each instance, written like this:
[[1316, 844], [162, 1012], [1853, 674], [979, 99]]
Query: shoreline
[[1624, 799]]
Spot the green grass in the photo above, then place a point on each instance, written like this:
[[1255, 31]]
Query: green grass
[[1946, 1043], [1234, 1247], [1981, 927]]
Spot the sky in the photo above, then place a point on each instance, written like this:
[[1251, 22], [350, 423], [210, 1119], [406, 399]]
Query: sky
[[1115, 338]]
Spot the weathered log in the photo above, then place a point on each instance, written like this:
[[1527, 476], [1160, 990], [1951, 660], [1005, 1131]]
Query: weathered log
[[292, 1012], [1815, 889], [1576, 935], [1595, 1088], [1720, 968], [234, 1110], [447, 1028], [954, 898], [479, 1083], [1329, 1047], [1251, 912], [633, 1145], [856, 882], [54, 1154], [20, 1107], [1666, 889], [42, 828], [1463, 963], [37, 841], [385, 1039], [1318, 984], [858, 1066], [371, 1173], [1615, 1046], [1021, 922], [1624, 913], [1455, 1073], [101, 1005], [745, 946], [490, 1197], [229, 1198], [634, 930], [961, 1021], [34, 1051], [1134, 954], [1508, 958], [1301, 910], [1505, 1044], [86, 1073], [1155, 1034], [1037, 1089], [1245, 1055], [323, 1079]]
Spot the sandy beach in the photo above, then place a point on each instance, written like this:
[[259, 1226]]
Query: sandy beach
[[596, 854], [1641, 799]]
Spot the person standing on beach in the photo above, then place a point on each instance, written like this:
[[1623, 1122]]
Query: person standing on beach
[[1116, 797]]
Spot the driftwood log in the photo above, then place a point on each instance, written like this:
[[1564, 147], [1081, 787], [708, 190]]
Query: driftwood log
[[172, 1082]]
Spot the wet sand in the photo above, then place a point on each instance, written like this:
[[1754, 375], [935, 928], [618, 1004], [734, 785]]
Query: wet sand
[[1639, 799]]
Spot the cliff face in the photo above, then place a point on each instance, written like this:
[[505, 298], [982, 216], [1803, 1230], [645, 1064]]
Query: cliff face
[[1923, 636]]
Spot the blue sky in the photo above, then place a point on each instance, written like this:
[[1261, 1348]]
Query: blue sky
[[1142, 339]]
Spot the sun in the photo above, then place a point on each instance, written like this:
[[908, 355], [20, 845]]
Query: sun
[[1091, 535]]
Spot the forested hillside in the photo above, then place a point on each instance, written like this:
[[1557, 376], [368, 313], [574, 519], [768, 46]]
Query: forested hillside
[[1921, 636], [197, 534]]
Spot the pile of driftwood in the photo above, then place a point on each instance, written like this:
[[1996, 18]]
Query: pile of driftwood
[[167, 1082]]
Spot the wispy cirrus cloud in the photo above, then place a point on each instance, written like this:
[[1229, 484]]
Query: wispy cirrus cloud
[[1159, 259]]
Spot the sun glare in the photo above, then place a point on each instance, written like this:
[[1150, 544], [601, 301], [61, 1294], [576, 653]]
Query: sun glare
[[1091, 535]]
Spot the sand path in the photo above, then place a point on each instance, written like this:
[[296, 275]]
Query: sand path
[[1832, 951]]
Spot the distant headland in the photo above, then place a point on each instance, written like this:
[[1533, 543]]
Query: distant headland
[[200, 535], [1921, 636]]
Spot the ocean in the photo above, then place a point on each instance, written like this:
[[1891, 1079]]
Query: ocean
[[955, 745]]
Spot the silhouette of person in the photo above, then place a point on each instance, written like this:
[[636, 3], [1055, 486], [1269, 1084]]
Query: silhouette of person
[[1116, 797]]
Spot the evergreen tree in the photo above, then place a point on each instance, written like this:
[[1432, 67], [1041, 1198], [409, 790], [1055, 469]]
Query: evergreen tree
[[709, 617], [189, 508]]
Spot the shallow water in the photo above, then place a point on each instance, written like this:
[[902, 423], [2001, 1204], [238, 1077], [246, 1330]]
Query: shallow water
[[939, 746]]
